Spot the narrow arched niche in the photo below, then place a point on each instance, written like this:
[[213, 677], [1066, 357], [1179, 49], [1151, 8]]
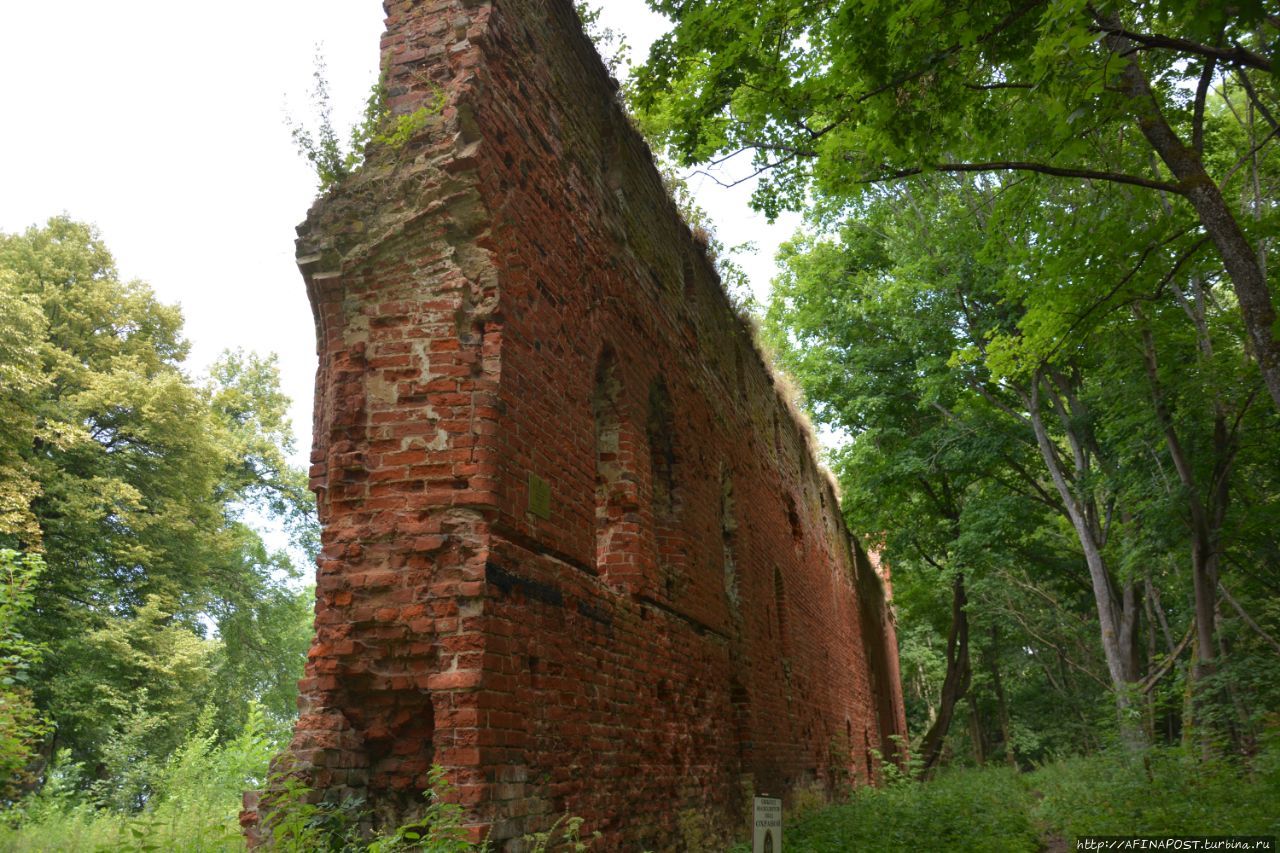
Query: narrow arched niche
[[794, 523], [729, 539], [780, 607], [660, 430], [670, 544], [609, 463]]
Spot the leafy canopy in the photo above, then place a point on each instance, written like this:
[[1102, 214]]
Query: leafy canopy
[[833, 97]]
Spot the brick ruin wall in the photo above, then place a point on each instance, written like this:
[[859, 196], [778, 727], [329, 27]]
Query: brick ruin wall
[[575, 549]]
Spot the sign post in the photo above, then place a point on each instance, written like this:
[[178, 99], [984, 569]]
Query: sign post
[[767, 824]]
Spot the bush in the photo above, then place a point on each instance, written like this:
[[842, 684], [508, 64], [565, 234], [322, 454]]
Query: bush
[[192, 804]]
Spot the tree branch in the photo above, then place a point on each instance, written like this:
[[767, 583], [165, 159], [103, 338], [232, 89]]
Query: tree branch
[[1038, 637], [1150, 681], [942, 56], [1253, 96], [1248, 620], [1237, 55], [987, 87], [1105, 298], [1040, 168], [1177, 264], [1231, 173], [1197, 118]]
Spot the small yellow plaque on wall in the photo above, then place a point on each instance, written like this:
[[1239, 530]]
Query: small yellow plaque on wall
[[539, 496]]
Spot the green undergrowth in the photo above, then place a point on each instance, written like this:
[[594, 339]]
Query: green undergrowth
[[1159, 792], [964, 809], [1154, 792], [190, 802], [195, 799]]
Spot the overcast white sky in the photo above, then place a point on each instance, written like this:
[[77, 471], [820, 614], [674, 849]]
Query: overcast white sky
[[163, 124]]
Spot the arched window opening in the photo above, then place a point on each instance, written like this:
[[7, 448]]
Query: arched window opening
[[609, 462], [780, 606], [662, 450], [741, 701], [793, 519], [729, 538], [669, 540]]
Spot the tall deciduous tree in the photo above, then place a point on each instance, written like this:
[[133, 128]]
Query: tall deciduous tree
[[137, 483]]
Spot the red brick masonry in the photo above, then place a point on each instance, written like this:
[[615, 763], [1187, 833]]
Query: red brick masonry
[[575, 548]]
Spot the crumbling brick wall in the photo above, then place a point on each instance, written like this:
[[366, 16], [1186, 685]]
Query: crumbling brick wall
[[575, 546]]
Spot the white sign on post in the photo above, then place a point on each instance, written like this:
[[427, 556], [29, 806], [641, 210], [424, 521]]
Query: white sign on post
[[768, 826]]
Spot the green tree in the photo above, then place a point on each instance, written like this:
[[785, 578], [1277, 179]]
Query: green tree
[[142, 485], [870, 323], [1116, 287], [1016, 370]]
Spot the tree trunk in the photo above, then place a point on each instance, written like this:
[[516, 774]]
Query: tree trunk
[[1157, 606], [1116, 619], [956, 682], [1242, 735], [1206, 516], [1149, 608], [1116, 640], [1129, 645], [975, 732], [1204, 590], [993, 663], [1188, 694]]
